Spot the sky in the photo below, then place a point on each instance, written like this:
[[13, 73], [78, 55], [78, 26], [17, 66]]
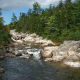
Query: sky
[[16, 6]]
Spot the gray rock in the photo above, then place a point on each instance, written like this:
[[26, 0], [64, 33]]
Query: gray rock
[[17, 53], [2, 57]]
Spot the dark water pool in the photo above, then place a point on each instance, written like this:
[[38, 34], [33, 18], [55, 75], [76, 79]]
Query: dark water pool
[[23, 69]]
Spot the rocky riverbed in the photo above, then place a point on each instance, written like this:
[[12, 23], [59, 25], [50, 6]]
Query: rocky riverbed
[[68, 53], [39, 59]]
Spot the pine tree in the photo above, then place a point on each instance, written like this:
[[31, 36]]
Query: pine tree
[[1, 20], [29, 12], [14, 18], [36, 8]]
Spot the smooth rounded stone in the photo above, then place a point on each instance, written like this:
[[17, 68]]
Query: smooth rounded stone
[[50, 48], [47, 53], [72, 64], [43, 42], [2, 57], [33, 35], [38, 40], [19, 41], [15, 37], [29, 39], [15, 44], [58, 58], [47, 43], [48, 59], [17, 53], [2, 70], [22, 51]]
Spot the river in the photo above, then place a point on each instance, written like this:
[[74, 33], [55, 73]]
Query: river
[[19, 68]]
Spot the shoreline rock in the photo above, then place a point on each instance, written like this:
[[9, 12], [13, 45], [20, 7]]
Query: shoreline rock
[[16, 37], [72, 64], [68, 53]]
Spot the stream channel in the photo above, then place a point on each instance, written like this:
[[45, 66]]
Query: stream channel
[[35, 68]]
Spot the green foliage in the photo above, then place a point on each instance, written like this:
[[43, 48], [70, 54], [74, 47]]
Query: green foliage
[[14, 18], [12, 25], [57, 23], [4, 33], [36, 8]]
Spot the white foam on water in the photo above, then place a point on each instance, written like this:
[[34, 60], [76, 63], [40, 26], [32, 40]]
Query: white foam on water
[[35, 52]]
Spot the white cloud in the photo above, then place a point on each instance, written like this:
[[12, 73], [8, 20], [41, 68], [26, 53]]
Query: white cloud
[[13, 4]]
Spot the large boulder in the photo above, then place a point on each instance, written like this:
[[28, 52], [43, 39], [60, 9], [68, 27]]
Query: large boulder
[[67, 50], [58, 56], [29, 39], [17, 53], [47, 53], [68, 53], [19, 41], [48, 59], [33, 35], [2, 57], [15, 44]]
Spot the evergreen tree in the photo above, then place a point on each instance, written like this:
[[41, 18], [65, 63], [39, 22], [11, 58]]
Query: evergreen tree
[[13, 21], [4, 34], [36, 8], [1, 20], [59, 23], [14, 18], [29, 12]]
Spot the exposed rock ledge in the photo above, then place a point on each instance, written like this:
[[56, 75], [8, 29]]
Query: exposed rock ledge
[[68, 52]]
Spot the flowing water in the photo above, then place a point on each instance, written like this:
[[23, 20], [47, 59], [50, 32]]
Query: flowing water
[[36, 69]]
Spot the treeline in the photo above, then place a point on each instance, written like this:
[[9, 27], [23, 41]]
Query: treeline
[[57, 23], [4, 32]]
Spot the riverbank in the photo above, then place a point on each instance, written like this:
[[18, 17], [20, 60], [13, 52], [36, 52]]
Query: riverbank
[[68, 52]]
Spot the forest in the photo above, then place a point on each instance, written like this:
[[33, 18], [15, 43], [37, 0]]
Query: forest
[[40, 43], [58, 23], [4, 32]]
